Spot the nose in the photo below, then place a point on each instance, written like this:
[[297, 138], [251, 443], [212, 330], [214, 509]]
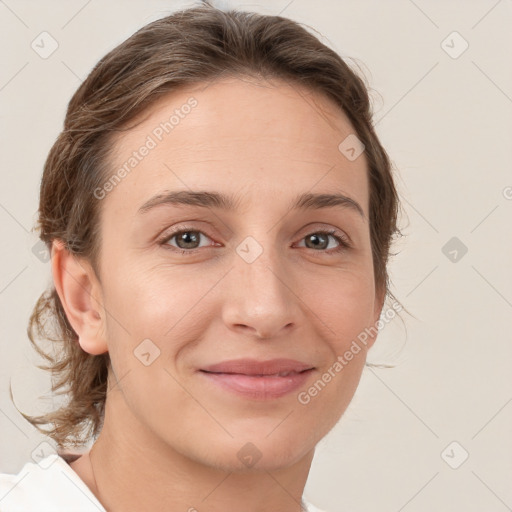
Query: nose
[[261, 300]]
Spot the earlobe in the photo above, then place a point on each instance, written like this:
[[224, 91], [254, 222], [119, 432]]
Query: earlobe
[[80, 294]]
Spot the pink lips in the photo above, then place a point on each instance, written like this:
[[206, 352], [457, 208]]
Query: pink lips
[[259, 380]]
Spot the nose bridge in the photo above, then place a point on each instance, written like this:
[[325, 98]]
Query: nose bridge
[[262, 298]]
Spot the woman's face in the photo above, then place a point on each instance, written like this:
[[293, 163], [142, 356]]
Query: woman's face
[[259, 280]]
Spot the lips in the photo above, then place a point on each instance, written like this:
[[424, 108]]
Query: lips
[[259, 380], [280, 367]]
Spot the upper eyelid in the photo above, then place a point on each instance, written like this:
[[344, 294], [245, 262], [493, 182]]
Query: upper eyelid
[[168, 235], [337, 233]]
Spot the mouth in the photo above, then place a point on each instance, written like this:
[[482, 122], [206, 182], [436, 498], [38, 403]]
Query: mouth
[[280, 374], [254, 367], [258, 380]]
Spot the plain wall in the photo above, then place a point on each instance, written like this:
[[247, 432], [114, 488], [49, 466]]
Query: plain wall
[[446, 121]]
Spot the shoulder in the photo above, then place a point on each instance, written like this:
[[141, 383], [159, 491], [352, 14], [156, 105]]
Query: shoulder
[[50, 485]]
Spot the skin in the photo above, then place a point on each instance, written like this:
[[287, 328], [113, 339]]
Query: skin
[[170, 440]]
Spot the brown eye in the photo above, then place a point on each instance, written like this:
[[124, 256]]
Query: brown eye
[[320, 240], [186, 239], [317, 240]]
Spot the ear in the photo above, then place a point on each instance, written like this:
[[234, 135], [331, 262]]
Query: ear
[[80, 294], [380, 297]]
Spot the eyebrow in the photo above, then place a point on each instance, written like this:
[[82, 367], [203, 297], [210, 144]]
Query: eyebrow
[[221, 201]]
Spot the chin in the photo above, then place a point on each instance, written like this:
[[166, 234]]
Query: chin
[[247, 454]]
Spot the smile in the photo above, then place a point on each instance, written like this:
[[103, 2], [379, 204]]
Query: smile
[[258, 380]]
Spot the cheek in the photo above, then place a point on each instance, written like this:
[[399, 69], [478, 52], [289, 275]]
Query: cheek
[[160, 305], [154, 298], [345, 310], [344, 304], [152, 317]]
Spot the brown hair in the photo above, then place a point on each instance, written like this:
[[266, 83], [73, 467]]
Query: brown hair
[[192, 46]]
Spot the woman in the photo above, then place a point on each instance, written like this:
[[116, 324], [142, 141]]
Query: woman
[[219, 212]]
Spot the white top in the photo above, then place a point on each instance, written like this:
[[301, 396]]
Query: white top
[[52, 486]]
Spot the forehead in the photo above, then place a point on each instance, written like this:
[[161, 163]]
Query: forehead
[[238, 135]]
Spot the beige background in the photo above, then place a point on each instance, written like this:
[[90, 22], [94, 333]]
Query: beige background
[[447, 125]]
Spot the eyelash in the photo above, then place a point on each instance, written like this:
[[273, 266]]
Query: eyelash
[[342, 239]]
